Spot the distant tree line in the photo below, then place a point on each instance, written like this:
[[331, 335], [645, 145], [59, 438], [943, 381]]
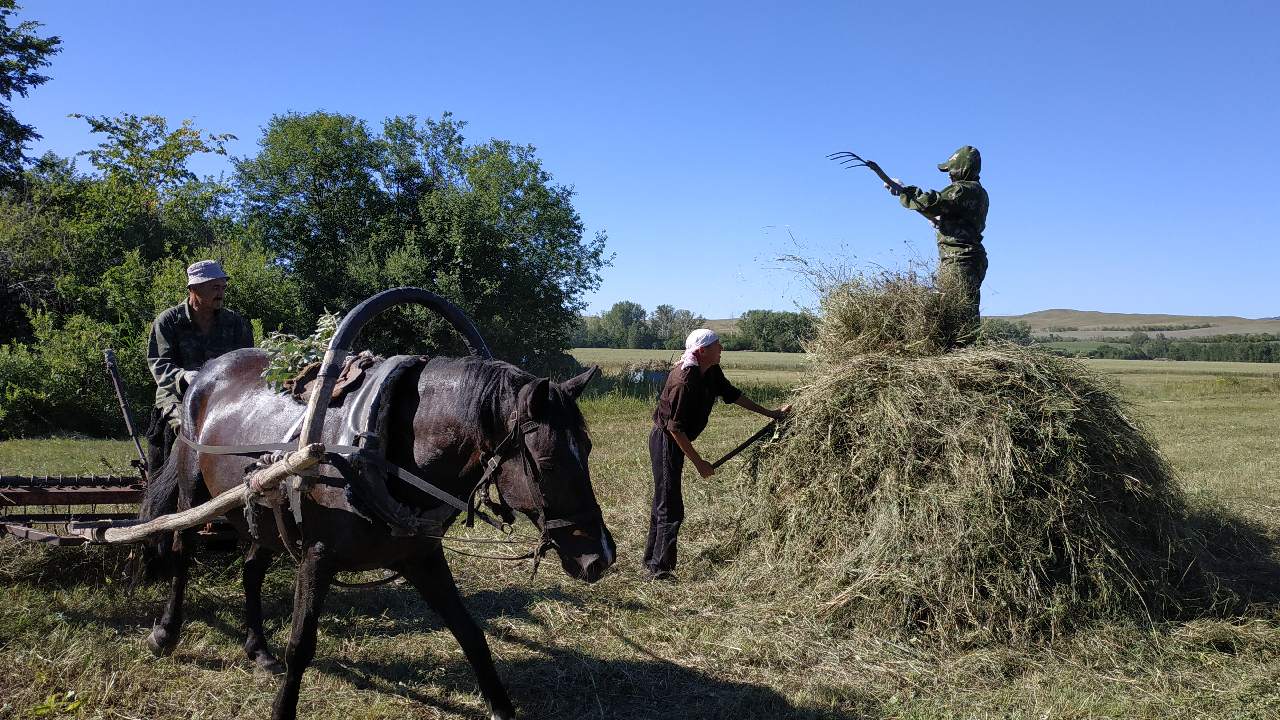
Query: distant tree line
[[328, 211], [1158, 328], [628, 325], [1260, 348]]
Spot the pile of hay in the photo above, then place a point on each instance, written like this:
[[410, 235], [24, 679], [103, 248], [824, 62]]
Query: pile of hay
[[995, 492]]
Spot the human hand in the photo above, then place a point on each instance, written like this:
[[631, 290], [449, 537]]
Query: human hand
[[781, 412], [704, 468]]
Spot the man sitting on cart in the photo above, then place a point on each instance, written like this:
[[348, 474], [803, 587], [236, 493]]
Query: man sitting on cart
[[183, 339]]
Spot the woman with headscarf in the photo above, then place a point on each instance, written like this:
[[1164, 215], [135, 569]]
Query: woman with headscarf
[[684, 406]]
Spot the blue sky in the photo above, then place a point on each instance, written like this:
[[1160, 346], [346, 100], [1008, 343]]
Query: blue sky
[[1130, 149]]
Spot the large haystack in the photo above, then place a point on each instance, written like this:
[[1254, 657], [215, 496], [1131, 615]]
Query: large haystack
[[990, 492]]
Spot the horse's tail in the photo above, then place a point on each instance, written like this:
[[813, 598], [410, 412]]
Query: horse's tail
[[159, 498]]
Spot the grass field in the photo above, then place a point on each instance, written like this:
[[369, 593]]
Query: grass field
[[626, 648]]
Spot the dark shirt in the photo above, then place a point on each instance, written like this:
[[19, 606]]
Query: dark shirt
[[177, 348], [686, 400]]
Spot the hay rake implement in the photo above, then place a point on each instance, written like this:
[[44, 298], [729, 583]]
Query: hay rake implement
[[68, 509]]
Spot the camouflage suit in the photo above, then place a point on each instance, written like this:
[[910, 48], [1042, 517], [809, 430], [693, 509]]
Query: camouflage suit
[[959, 212]]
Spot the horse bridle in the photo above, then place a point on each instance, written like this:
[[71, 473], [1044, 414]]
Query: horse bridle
[[511, 445]]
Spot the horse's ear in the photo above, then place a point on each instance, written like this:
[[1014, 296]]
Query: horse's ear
[[574, 386], [535, 399]]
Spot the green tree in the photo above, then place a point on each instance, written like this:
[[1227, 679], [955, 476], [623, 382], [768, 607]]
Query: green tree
[[313, 195], [668, 327], [22, 53], [352, 212], [70, 239], [624, 325], [772, 331]]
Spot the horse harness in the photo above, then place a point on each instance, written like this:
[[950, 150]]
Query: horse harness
[[357, 463], [514, 443]]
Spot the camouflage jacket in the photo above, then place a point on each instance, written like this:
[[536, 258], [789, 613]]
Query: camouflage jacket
[[177, 349], [958, 211]]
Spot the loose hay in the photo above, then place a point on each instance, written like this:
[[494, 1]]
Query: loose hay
[[899, 313], [994, 492]]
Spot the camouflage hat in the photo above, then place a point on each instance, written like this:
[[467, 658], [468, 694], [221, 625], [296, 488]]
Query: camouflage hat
[[203, 271], [967, 160]]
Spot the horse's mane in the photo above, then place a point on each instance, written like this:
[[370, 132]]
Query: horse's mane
[[487, 392]]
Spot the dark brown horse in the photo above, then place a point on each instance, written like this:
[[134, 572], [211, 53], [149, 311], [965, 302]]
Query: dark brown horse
[[446, 416]]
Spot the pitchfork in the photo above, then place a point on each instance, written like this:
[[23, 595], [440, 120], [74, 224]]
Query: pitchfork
[[853, 160]]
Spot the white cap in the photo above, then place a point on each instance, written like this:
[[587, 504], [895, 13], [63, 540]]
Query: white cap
[[204, 271]]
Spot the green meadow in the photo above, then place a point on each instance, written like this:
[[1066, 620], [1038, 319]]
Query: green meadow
[[71, 628]]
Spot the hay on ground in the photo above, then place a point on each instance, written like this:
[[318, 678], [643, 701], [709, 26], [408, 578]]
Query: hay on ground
[[991, 492]]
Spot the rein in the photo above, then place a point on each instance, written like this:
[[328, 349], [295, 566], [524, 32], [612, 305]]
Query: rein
[[515, 439]]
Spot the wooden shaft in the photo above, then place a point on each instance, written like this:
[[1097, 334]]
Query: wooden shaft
[[766, 430], [266, 479], [321, 393]]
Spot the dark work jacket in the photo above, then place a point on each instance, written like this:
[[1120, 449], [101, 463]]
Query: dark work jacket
[[686, 400], [177, 348]]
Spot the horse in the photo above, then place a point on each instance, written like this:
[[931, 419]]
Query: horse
[[446, 416]]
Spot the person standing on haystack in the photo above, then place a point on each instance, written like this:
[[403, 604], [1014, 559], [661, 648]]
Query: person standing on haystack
[[959, 213], [684, 407], [183, 339]]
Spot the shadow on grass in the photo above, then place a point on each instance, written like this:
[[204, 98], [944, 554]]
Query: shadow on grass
[[1239, 560], [566, 683]]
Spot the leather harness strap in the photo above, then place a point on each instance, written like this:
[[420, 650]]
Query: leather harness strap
[[343, 450]]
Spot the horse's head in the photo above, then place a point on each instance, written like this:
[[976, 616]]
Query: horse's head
[[545, 475]]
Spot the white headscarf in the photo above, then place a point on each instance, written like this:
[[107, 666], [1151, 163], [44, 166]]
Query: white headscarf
[[697, 340]]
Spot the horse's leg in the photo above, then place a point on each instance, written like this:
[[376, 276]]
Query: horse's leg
[[314, 574], [256, 562], [164, 636], [434, 580]]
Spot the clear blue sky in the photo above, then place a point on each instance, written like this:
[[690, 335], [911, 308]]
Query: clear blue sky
[[1130, 149]]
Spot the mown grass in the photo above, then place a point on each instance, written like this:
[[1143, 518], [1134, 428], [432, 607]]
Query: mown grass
[[626, 648]]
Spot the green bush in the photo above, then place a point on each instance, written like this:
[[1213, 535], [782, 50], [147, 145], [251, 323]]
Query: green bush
[[59, 382]]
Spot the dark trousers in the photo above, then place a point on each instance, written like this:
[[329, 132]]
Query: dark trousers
[[160, 437], [668, 502]]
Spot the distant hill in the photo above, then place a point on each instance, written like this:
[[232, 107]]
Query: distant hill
[[723, 327], [1092, 325]]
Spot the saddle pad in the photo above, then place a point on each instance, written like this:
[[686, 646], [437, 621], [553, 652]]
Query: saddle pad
[[365, 421], [351, 377]]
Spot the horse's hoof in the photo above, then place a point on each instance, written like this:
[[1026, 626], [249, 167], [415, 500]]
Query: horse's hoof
[[159, 642], [507, 713], [268, 664]]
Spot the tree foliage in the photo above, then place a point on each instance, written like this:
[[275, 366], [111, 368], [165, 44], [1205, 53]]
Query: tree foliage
[[771, 331], [22, 53], [355, 211], [327, 213], [628, 325]]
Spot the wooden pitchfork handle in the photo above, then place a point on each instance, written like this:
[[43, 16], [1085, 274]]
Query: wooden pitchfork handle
[[762, 432]]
